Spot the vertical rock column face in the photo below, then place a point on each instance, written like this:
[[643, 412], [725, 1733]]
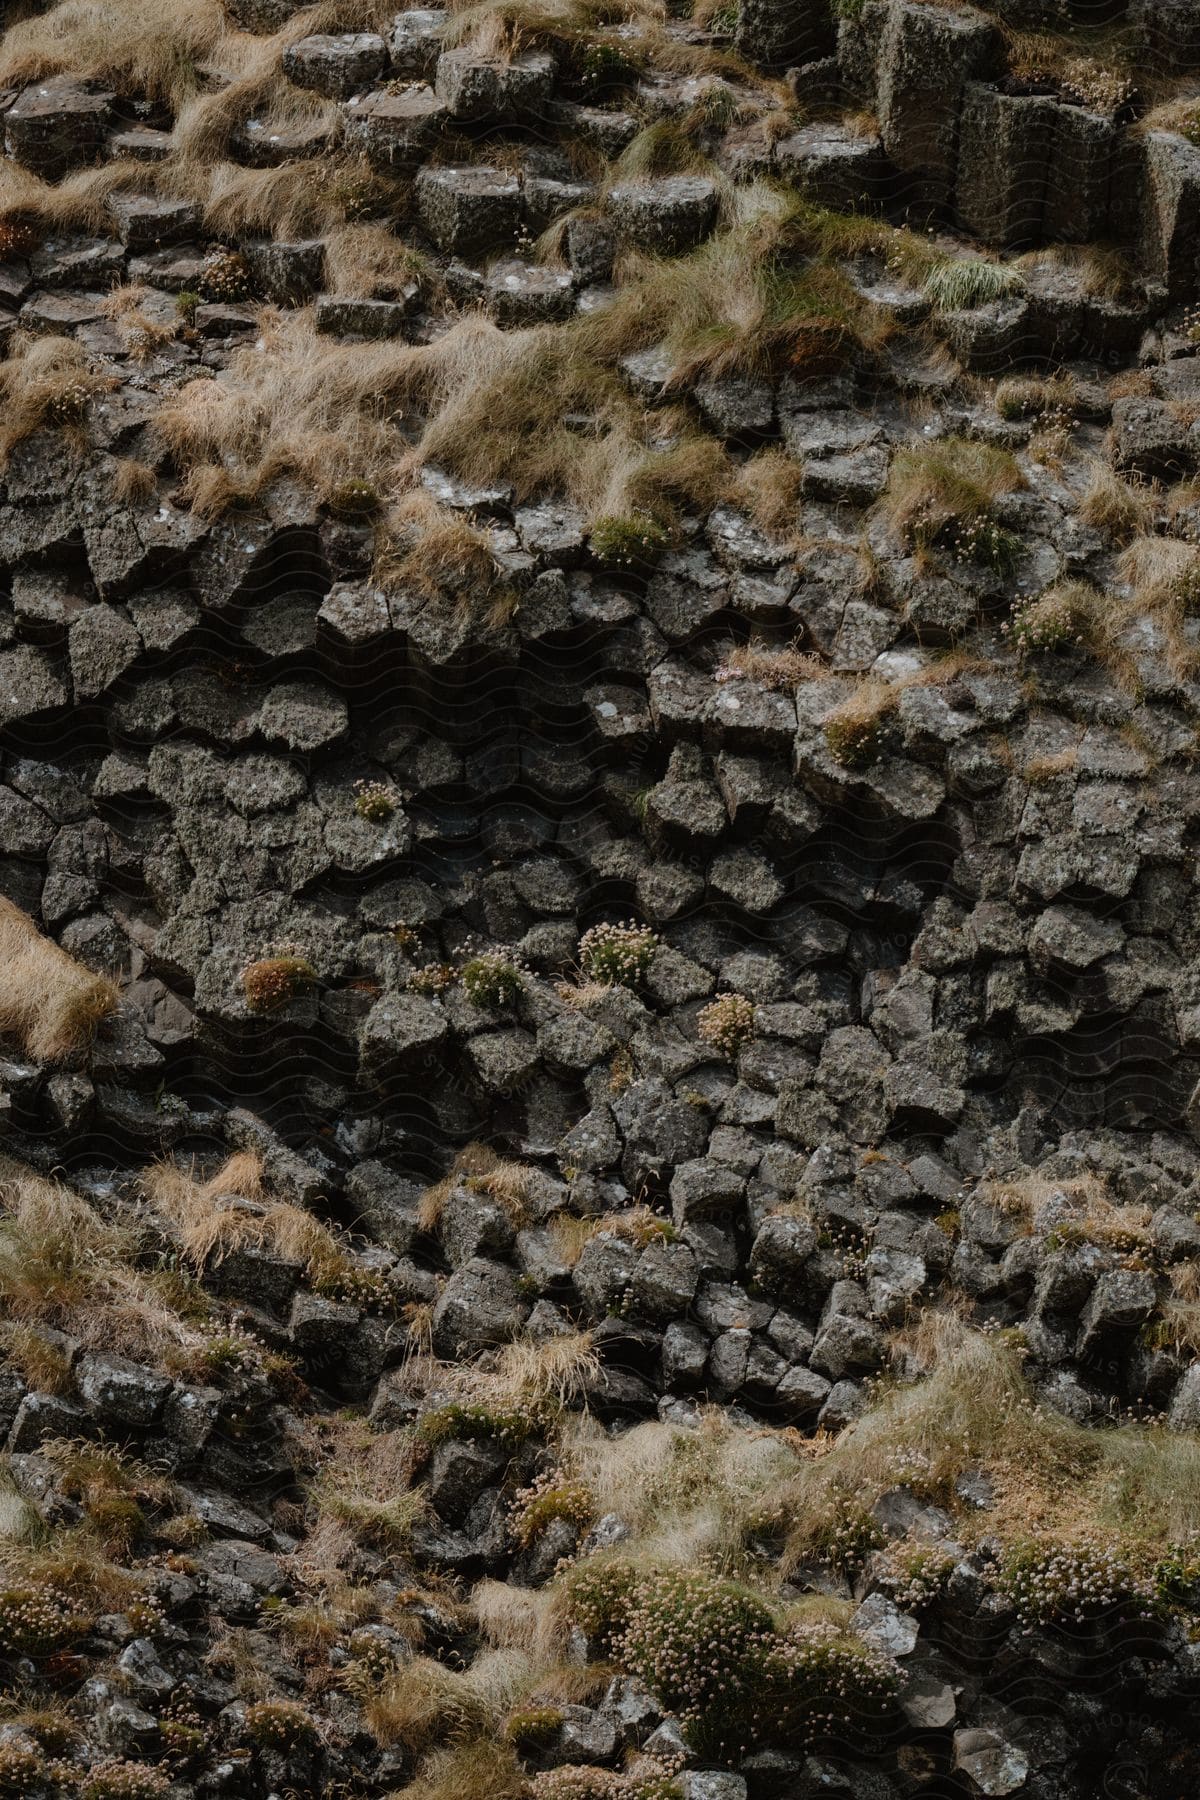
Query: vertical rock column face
[[780, 34], [1171, 214], [927, 57], [1003, 155], [1079, 176]]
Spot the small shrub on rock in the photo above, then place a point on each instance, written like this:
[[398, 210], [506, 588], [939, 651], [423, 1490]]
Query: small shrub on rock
[[986, 544], [532, 1727], [278, 1725], [491, 980], [19, 236], [603, 68], [22, 1769], [375, 801], [617, 955], [354, 499], [849, 1539], [650, 1779], [433, 978], [633, 542], [446, 1423], [275, 981], [727, 1023], [224, 275], [1175, 1578], [817, 1682], [1071, 1584], [1185, 590], [854, 741], [551, 1496], [114, 1779], [37, 1621], [698, 1644], [598, 1599], [70, 404], [917, 1575], [1055, 620]]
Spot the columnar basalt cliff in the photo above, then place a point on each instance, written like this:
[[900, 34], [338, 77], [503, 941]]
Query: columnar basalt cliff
[[599, 946]]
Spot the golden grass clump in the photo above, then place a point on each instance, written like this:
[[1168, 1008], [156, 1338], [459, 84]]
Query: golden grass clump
[[482, 1171], [427, 1704], [49, 1003], [780, 667], [138, 46], [64, 1266], [935, 488], [1138, 1485], [1121, 508], [365, 1489], [233, 1211]]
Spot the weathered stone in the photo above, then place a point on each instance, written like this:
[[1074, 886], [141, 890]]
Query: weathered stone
[[480, 1306], [336, 66], [57, 125], [469, 209], [667, 214]]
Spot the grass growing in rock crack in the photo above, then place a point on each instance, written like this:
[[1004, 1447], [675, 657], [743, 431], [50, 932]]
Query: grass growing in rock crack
[[141, 46], [481, 1171], [50, 1003], [1122, 508], [942, 495], [233, 1210], [1135, 1484], [961, 282], [47, 383]]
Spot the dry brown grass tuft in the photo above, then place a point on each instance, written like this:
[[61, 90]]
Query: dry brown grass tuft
[[364, 1489], [776, 666], [435, 553], [1139, 1485], [935, 487], [1178, 1324], [427, 1704], [50, 1003], [64, 1266], [770, 487], [483, 1172], [300, 405], [230, 1211], [464, 1771], [139, 46]]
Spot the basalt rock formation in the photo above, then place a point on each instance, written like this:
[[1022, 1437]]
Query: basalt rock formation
[[599, 959]]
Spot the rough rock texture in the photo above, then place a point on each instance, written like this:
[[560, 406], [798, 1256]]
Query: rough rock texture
[[641, 806]]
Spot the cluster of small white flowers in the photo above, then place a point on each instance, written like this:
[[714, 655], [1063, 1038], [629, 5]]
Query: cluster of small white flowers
[[727, 1023], [1071, 1583], [115, 1779], [551, 1495], [492, 979], [35, 1621], [70, 403], [647, 1778], [433, 978], [375, 800], [617, 954], [831, 1679], [224, 275], [1186, 589], [1045, 623], [1092, 85], [980, 540], [916, 1576]]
